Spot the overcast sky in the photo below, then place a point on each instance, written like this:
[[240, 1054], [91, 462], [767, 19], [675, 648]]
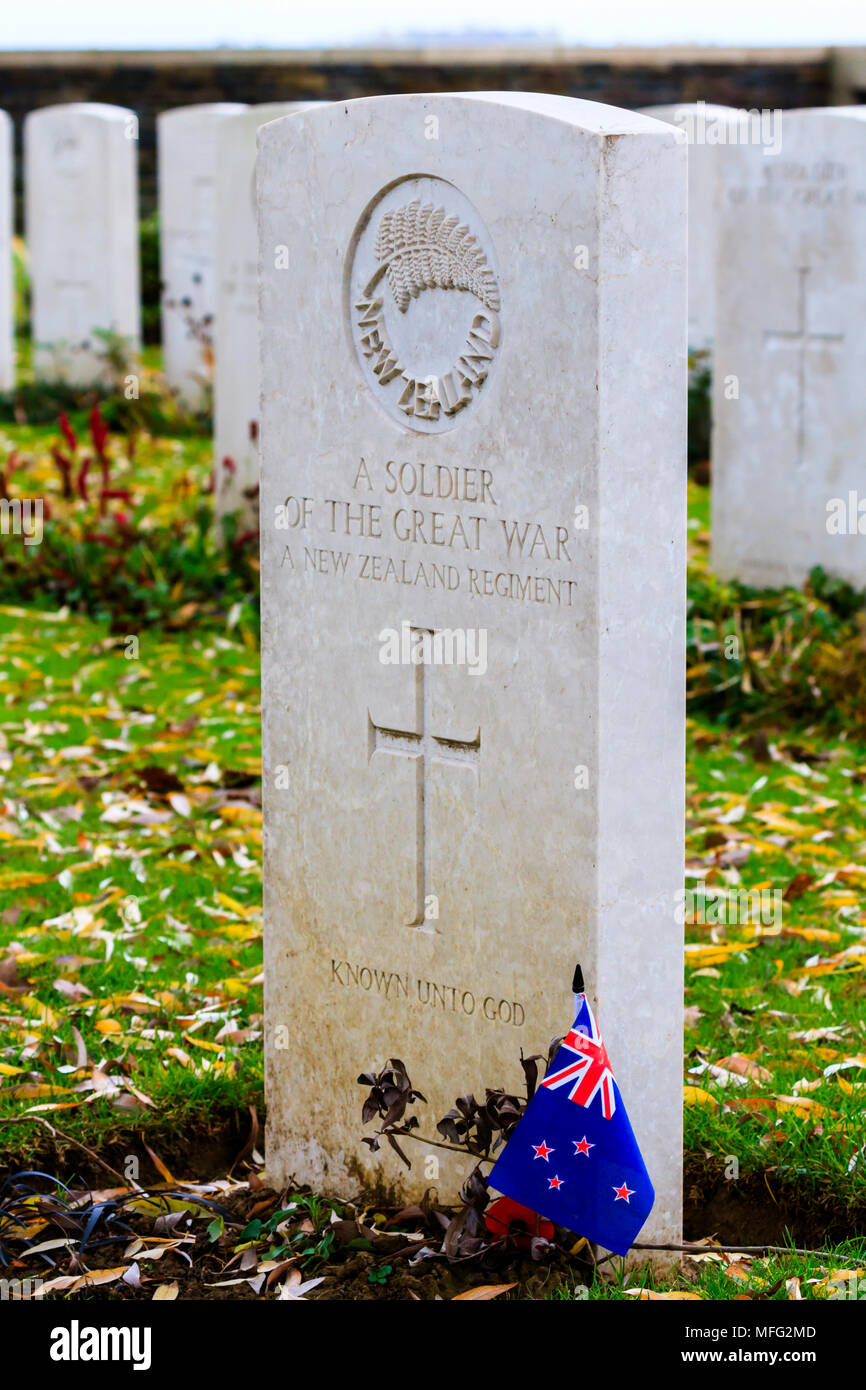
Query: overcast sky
[[290, 23]]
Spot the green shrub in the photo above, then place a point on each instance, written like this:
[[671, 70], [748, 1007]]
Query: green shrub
[[151, 293], [773, 657], [700, 413], [119, 544]]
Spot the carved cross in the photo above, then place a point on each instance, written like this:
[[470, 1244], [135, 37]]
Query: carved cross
[[802, 339], [421, 745]]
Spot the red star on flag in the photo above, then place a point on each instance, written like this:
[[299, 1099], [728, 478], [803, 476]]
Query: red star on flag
[[556, 1182], [623, 1193], [582, 1146], [541, 1150]]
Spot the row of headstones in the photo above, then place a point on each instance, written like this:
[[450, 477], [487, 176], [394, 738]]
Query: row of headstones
[[209, 271], [777, 291], [82, 236], [440, 849], [776, 207]]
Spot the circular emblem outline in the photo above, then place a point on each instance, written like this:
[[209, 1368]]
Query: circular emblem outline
[[421, 245]]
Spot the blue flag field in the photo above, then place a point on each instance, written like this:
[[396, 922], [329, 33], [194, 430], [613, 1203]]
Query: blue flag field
[[573, 1157]]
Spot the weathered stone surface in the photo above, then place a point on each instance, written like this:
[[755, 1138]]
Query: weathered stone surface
[[82, 236], [472, 428], [707, 129], [187, 152], [790, 360], [7, 325], [236, 365]]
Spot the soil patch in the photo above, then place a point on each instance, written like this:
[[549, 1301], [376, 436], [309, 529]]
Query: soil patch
[[765, 1208], [756, 1209]]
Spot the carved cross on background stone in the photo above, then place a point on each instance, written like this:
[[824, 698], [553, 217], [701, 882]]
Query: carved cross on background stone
[[802, 339]]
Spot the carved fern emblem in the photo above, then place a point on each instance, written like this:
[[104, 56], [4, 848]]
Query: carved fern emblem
[[423, 249]]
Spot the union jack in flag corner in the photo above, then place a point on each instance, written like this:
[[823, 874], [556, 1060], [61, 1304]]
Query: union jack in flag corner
[[573, 1156]]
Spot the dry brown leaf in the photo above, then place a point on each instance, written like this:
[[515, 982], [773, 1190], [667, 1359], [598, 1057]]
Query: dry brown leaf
[[166, 1293], [180, 803], [744, 1066], [652, 1296], [482, 1293], [797, 887], [179, 1056], [73, 1283], [9, 973], [73, 990], [158, 1163]]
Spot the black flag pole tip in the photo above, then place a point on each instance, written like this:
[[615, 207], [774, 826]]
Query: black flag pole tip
[[577, 986]]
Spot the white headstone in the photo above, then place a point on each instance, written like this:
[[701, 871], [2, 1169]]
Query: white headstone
[[236, 365], [82, 236], [789, 402], [473, 427], [7, 310], [707, 128], [187, 153]]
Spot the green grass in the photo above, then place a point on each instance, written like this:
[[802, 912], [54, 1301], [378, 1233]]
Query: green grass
[[91, 838], [717, 1276], [750, 990], [128, 891], [130, 852]]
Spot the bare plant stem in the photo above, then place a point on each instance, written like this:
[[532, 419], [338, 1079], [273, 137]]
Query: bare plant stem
[[437, 1144], [59, 1134]]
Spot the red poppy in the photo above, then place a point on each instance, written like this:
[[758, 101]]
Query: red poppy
[[506, 1217]]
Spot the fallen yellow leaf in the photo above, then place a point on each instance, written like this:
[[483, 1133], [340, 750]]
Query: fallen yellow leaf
[[694, 1095]]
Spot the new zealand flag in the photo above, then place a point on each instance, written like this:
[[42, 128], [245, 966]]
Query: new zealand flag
[[573, 1157]]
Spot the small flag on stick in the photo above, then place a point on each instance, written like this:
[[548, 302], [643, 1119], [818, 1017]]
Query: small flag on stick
[[573, 1157]]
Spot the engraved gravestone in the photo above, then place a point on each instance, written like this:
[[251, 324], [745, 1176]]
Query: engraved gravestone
[[708, 128], [7, 324], [82, 236], [473, 355], [236, 364], [187, 159], [789, 405]]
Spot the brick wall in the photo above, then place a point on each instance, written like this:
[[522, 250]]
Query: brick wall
[[151, 82]]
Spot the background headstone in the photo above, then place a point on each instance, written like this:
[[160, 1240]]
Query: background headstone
[[82, 236], [707, 128], [7, 313], [473, 426], [187, 152], [236, 364], [789, 404]]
